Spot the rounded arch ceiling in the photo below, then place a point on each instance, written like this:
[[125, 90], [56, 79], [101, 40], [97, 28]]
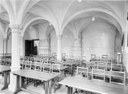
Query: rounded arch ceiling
[[42, 27], [85, 18]]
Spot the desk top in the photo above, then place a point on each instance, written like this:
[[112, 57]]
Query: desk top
[[63, 67], [4, 68], [94, 86], [69, 63], [35, 74]]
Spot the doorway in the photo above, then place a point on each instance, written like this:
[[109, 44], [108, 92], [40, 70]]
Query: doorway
[[30, 48]]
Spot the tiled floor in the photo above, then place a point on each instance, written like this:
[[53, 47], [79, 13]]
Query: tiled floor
[[38, 89]]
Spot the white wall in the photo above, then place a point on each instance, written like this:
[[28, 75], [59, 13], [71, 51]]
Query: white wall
[[99, 39]]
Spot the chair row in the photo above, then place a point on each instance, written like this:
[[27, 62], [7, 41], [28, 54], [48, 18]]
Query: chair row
[[101, 74], [104, 65]]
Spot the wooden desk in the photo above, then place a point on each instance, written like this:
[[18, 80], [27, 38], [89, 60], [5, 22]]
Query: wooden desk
[[5, 70], [46, 77], [71, 65], [93, 86]]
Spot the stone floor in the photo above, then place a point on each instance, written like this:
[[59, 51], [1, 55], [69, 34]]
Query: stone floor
[[38, 89]]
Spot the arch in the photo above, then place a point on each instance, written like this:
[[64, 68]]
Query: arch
[[8, 9], [93, 9], [38, 18], [1, 29]]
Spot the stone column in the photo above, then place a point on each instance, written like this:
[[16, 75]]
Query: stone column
[[77, 46], [15, 62], [59, 48], [4, 45], [22, 50], [125, 48]]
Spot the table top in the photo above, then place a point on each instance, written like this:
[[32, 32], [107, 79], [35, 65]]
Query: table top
[[63, 67], [4, 68], [35, 74], [94, 86], [69, 63]]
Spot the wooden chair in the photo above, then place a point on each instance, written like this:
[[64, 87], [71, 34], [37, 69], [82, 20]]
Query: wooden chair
[[38, 66], [22, 64], [118, 77], [93, 57], [82, 72], [117, 67], [56, 69], [47, 67], [98, 74], [28, 65], [102, 65], [104, 58]]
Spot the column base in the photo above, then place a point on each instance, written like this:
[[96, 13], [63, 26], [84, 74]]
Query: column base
[[12, 86]]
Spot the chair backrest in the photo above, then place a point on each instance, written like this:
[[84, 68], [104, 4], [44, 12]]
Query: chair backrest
[[118, 77], [98, 74], [104, 58], [102, 65], [93, 56], [117, 67], [56, 68], [28, 64], [47, 67], [38, 66], [82, 72]]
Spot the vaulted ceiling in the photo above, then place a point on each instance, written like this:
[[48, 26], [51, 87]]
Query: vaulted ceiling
[[62, 13]]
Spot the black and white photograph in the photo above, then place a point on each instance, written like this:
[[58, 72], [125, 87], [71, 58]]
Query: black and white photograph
[[63, 46]]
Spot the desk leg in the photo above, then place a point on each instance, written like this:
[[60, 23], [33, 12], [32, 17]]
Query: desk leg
[[46, 87], [50, 87], [22, 85], [5, 80], [70, 90], [18, 84]]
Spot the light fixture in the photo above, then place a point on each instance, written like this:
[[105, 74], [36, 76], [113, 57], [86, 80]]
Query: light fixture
[[93, 18]]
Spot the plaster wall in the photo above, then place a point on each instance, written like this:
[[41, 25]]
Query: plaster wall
[[99, 38]]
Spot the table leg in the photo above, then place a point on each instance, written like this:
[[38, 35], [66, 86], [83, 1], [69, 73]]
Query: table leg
[[18, 84], [46, 87], [50, 87], [70, 90], [5, 80]]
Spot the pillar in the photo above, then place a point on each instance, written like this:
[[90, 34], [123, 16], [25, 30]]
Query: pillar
[[22, 48], [59, 48], [4, 45], [77, 46], [125, 48], [15, 62]]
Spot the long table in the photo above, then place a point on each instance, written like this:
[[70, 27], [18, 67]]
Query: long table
[[93, 86], [5, 70], [43, 76]]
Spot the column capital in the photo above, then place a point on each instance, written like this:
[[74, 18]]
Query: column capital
[[15, 28]]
